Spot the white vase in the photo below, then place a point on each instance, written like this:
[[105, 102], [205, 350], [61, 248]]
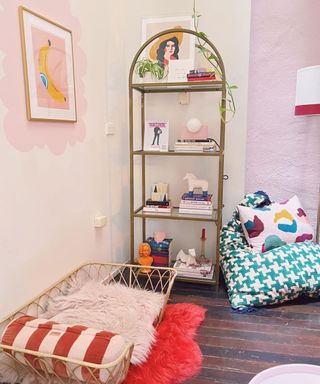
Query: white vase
[[149, 78]]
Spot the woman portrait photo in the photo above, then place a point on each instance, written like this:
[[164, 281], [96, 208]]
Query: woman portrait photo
[[166, 48], [171, 46]]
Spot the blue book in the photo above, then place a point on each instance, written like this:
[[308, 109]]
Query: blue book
[[196, 197]]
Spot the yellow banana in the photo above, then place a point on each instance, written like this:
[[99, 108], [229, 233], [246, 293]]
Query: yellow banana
[[45, 76]]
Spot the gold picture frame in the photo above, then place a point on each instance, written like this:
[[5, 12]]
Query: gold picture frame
[[48, 64]]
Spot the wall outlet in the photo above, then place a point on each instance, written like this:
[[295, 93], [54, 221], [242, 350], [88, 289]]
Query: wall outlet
[[110, 128], [184, 98]]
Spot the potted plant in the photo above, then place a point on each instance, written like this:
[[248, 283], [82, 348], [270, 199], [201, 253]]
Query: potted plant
[[145, 67]]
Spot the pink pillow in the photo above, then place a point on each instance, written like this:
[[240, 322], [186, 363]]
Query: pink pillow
[[275, 225]]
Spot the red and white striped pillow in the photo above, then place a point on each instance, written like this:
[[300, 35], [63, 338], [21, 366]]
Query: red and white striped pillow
[[72, 341]]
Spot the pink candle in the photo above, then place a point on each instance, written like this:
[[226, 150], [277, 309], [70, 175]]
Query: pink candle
[[203, 234]]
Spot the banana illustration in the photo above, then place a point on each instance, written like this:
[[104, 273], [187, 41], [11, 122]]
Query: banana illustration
[[45, 76]]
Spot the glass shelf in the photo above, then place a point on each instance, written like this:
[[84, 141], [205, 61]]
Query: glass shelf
[[175, 215], [173, 153], [165, 87], [200, 280]]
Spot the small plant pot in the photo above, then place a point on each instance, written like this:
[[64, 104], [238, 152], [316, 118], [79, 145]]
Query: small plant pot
[[149, 78]]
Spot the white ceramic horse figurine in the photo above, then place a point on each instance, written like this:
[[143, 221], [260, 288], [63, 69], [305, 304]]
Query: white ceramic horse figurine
[[193, 183], [188, 259]]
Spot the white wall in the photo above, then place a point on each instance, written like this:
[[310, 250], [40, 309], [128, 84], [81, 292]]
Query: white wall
[[227, 24], [47, 201]]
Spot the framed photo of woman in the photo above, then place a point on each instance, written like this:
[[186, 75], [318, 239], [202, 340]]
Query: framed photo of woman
[[175, 46]]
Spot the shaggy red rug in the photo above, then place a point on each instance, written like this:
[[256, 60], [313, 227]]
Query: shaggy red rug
[[175, 356]]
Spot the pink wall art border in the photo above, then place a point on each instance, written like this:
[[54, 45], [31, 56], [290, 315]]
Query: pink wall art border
[[22, 134]]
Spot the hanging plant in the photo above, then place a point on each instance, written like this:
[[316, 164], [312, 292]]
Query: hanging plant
[[206, 51]]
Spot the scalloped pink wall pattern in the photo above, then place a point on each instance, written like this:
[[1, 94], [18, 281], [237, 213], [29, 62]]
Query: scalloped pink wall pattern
[[22, 134]]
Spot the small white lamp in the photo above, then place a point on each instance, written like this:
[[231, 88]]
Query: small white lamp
[[308, 103], [194, 130], [194, 125]]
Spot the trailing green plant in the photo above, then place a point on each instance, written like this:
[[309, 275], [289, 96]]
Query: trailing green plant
[[230, 106], [144, 66]]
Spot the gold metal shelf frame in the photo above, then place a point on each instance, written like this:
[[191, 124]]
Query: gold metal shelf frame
[[201, 86]]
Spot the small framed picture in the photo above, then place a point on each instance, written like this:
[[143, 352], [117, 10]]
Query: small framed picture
[[176, 46], [156, 136], [178, 70], [48, 68]]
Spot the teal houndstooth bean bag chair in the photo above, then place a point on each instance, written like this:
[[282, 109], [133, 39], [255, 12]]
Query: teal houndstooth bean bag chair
[[256, 279]]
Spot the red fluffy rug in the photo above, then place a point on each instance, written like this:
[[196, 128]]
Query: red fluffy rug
[[175, 356]]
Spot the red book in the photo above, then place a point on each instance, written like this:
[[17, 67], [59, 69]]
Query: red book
[[201, 78]]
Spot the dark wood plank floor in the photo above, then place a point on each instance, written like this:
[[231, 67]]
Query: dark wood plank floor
[[237, 346]]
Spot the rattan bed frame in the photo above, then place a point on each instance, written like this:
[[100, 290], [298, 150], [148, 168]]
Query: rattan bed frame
[[158, 280]]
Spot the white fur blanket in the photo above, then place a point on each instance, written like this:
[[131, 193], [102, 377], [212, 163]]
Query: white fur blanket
[[130, 312], [116, 308]]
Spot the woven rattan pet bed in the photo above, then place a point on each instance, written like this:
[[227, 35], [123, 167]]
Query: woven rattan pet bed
[[158, 280]]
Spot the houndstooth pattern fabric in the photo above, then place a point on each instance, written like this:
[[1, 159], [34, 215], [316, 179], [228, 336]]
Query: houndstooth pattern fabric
[[256, 279]]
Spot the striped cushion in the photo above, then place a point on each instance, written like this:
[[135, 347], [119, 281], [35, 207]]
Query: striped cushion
[[72, 341]]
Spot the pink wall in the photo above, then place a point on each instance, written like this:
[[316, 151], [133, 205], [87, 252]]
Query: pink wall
[[21, 133], [283, 156]]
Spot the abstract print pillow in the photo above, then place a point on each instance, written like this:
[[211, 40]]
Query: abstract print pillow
[[275, 225]]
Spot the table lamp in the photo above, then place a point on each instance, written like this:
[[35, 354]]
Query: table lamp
[[308, 103]]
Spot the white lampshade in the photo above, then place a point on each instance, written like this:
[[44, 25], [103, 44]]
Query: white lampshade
[[308, 91], [193, 125]]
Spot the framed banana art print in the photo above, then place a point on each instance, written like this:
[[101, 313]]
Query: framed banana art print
[[48, 68]]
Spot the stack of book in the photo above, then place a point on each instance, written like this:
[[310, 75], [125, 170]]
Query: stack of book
[[200, 270], [157, 206], [161, 252], [199, 75], [195, 145], [196, 205]]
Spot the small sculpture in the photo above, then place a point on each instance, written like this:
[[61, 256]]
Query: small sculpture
[[194, 183], [189, 259], [159, 192], [145, 259], [159, 236]]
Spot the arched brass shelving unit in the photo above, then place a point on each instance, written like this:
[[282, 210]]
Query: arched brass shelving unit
[[166, 87]]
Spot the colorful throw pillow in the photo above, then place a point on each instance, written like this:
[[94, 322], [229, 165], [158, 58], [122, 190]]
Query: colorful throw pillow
[[275, 225]]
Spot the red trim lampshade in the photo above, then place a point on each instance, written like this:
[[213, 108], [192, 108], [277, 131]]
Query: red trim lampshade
[[308, 91]]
